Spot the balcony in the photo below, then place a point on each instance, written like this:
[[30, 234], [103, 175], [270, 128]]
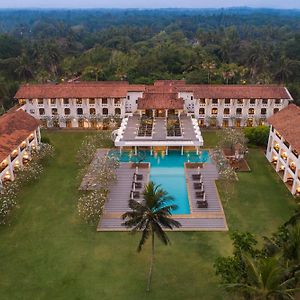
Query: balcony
[[276, 148], [3, 166], [13, 155], [284, 156], [292, 167]]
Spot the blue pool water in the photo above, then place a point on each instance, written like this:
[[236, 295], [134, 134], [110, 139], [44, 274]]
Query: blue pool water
[[168, 171]]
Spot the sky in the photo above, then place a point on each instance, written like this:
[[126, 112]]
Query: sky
[[147, 3]]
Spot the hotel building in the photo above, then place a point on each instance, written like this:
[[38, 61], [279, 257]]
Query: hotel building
[[86, 104], [19, 134], [284, 146]]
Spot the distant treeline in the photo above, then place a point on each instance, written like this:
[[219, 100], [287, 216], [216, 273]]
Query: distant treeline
[[228, 46]]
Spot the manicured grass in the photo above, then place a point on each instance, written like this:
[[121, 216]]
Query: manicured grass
[[210, 138], [49, 253]]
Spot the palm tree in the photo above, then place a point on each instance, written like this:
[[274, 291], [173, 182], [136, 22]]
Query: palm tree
[[266, 279], [151, 216], [286, 69]]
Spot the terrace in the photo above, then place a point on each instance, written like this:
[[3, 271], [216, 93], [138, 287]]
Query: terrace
[[174, 131]]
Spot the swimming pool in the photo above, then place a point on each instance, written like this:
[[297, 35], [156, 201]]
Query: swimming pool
[[168, 171]]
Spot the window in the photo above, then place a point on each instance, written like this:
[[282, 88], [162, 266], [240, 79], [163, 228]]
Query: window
[[128, 97], [67, 111], [192, 98], [238, 111], [117, 111], [105, 111], [78, 101], [54, 111], [202, 101], [201, 111], [41, 111], [214, 101], [252, 101], [227, 101], [104, 100], [79, 111], [40, 101], [53, 101], [117, 101], [214, 111], [240, 101], [92, 111], [277, 101], [251, 111], [226, 111], [263, 111], [92, 101], [275, 110], [66, 101], [264, 101]]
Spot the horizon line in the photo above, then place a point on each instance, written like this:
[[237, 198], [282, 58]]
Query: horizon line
[[147, 8]]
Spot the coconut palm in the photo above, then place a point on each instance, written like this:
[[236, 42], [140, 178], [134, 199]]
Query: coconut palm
[[266, 279], [151, 216]]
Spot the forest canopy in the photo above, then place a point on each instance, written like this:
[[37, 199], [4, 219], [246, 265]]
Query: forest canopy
[[231, 46]]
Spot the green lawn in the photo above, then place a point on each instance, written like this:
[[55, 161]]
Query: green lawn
[[48, 253]]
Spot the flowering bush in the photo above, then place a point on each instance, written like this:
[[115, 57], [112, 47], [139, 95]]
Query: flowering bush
[[90, 205], [26, 174], [89, 146]]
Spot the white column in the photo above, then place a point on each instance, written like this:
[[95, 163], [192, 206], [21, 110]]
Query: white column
[[39, 134], [166, 113], [151, 150], [197, 150], [153, 113], [167, 150], [11, 169], [120, 149], [20, 158], [181, 150], [135, 150], [294, 187]]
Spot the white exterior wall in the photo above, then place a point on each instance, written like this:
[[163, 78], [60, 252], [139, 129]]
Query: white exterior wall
[[131, 102], [283, 157], [128, 105]]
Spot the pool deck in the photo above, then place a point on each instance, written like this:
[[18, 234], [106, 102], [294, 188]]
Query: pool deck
[[200, 219]]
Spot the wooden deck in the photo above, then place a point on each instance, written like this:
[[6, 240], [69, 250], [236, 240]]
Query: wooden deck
[[200, 219]]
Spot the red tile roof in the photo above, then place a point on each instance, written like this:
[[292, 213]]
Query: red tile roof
[[160, 101], [286, 122], [119, 89], [237, 91], [15, 127], [99, 89]]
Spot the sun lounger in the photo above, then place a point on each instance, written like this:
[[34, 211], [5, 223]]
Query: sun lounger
[[200, 194], [134, 194], [137, 185], [197, 185], [196, 176], [202, 204], [137, 177]]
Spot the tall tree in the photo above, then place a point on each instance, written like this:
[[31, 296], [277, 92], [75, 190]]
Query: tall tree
[[151, 216]]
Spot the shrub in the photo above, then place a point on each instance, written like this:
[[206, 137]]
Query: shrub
[[257, 135], [45, 140], [30, 172], [90, 205]]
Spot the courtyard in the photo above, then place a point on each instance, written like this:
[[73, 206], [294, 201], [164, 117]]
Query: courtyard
[[51, 254]]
